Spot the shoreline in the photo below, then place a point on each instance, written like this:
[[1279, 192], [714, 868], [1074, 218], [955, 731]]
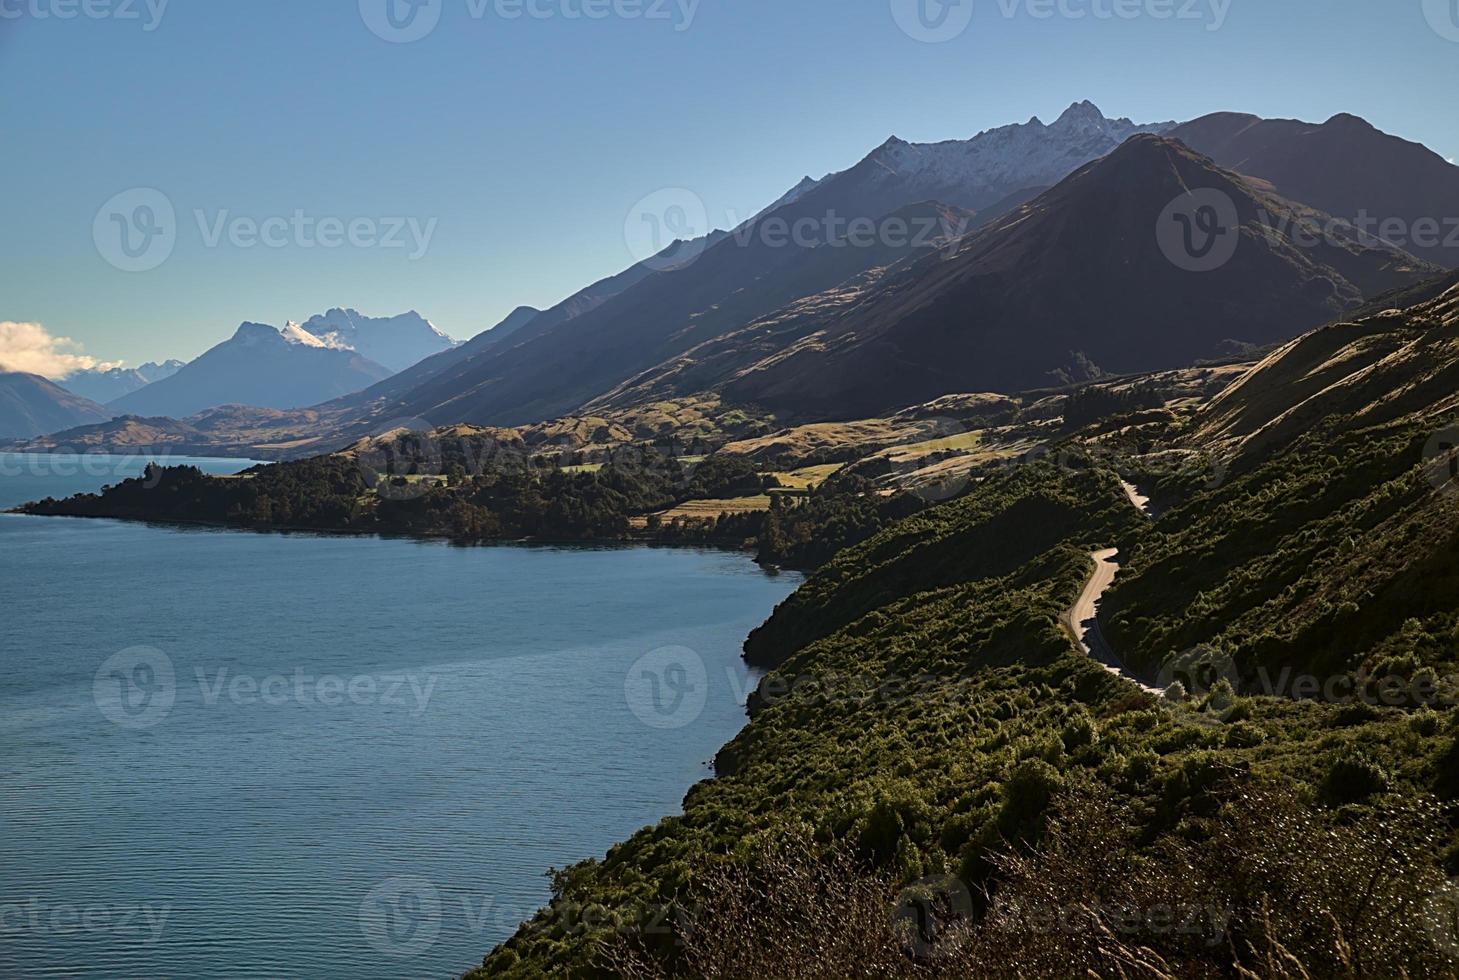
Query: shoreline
[[607, 544]]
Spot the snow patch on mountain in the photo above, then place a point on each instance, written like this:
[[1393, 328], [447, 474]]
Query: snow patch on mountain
[[397, 342], [1010, 157]]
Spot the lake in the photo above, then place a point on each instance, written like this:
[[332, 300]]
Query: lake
[[229, 754]]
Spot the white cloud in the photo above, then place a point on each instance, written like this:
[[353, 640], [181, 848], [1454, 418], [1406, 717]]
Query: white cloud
[[30, 348]]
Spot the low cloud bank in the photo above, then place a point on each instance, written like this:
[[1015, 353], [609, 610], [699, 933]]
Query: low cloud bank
[[30, 348]]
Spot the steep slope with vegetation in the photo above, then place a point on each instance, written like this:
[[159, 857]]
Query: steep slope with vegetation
[[929, 720], [929, 742], [1330, 547]]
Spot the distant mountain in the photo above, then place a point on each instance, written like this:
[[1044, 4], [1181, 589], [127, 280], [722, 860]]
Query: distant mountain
[[31, 406], [976, 173], [1345, 167], [515, 321], [819, 281], [104, 386], [395, 342], [259, 366], [441, 375], [556, 365], [1077, 280]]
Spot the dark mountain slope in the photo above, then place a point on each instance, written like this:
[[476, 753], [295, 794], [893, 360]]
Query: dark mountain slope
[[31, 406], [552, 371], [1081, 270], [1345, 167], [818, 281]]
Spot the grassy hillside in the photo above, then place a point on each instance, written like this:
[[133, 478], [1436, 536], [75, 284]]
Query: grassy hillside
[[927, 719]]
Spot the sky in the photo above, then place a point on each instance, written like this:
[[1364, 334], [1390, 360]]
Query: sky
[[471, 156]]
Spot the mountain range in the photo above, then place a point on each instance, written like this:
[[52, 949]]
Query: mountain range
[[32, 406], [1073, 279], [744, 303], [1035, 260], [259, 366], [102, 386], [394, 342], [1346, 167]]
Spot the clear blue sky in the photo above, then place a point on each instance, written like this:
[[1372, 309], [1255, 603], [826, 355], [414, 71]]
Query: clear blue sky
[[530, 140]]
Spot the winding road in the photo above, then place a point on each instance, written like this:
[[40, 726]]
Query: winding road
[[1082, 618]]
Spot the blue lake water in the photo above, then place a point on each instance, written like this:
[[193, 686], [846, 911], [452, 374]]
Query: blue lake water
[[226, 754]]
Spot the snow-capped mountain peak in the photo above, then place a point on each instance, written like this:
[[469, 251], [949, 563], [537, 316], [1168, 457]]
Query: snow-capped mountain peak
[[396, 342], [979, 171], [296, 334]]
